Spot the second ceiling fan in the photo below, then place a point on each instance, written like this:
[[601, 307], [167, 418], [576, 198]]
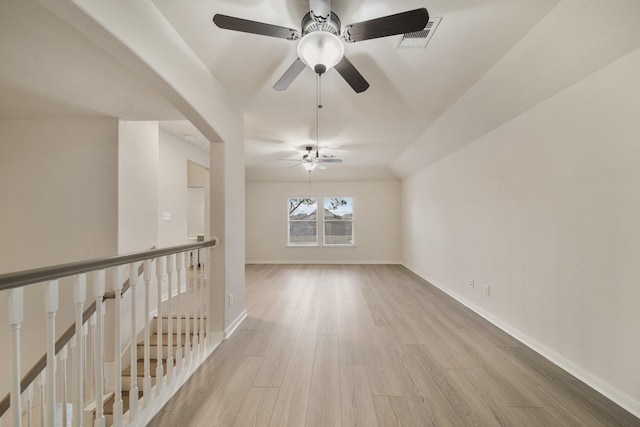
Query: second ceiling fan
[[319, 45]]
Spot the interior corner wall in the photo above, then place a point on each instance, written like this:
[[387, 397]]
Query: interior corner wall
[[58, 189], [173, 195], [138, 152], [376, 222], [545, 210]]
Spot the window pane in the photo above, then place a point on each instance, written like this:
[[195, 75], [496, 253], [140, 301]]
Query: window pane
[[338, 220], [302, 208], [338, 232], [303, 220], [302, 232], [338, 208]]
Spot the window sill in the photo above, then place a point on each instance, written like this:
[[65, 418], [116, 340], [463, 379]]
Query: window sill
[[321, 246]]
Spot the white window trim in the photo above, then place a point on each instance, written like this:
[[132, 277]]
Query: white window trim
[[302, 245], [353, 224], [320, 223]]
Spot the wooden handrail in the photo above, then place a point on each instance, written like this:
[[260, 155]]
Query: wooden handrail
[[22, 278], [56, 272]]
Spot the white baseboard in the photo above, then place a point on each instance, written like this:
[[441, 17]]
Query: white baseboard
[[602, 387], [234, 325], [323, 261]]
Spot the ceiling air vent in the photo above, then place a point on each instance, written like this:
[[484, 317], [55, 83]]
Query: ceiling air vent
[[419, 39]]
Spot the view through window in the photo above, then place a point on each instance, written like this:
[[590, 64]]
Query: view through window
[[338, 221], [336, 218], [303, 217]]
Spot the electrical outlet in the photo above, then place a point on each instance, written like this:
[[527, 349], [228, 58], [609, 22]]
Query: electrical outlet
[[472, 283], [487, 290], [230, 299]]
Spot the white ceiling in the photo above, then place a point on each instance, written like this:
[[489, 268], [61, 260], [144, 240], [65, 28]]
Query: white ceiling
[[488, 61], [409, 89]]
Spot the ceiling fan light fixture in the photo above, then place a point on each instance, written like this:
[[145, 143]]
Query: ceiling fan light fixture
[[320, 49], [309, 166]]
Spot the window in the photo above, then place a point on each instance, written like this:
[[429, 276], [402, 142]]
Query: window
[[303, 220], [338, 220]]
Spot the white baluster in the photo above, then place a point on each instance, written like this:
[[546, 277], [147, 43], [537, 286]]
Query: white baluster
[[51, 307], [29, 397], [146, 389], [79, 296], [63, 359], [201, 304], [170, 267], [179, 260], [117, 404], [207, 285], [187, 315], [16, 315], [86, 395], [72, 381], [194, 309], [133, 387], [98, 294], [43, 383], [92, 368], [159, 366]]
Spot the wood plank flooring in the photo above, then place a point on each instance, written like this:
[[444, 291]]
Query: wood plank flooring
[[375, 345]]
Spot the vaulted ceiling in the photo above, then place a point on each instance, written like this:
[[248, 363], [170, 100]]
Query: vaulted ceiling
[[488, 61]]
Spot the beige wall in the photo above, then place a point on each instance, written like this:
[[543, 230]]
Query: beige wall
[[132, 37], [545, 211], [153, 179], [58, 190], [376, 222], [138, 152], [173, 196]]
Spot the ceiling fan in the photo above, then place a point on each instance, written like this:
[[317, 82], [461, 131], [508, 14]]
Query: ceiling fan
[[312, 160], [319, 45]]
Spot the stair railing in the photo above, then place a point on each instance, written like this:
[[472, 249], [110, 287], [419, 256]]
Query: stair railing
[[88, 370]]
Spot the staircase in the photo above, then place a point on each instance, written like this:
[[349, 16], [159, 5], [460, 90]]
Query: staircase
[[154, 341], [74, 368]]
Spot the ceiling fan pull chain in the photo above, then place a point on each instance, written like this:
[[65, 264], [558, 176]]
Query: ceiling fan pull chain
[[318, 106], [319, 94]]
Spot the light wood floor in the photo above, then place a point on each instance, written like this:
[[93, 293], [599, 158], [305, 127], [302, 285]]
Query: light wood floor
[[375, 346]]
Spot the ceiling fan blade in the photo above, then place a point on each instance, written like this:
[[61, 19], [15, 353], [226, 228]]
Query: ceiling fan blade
[[403, 22], [320, 10], [329, 160], [351, 75], [319, 166], [296, 165], [253, 27], [290, 75]]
